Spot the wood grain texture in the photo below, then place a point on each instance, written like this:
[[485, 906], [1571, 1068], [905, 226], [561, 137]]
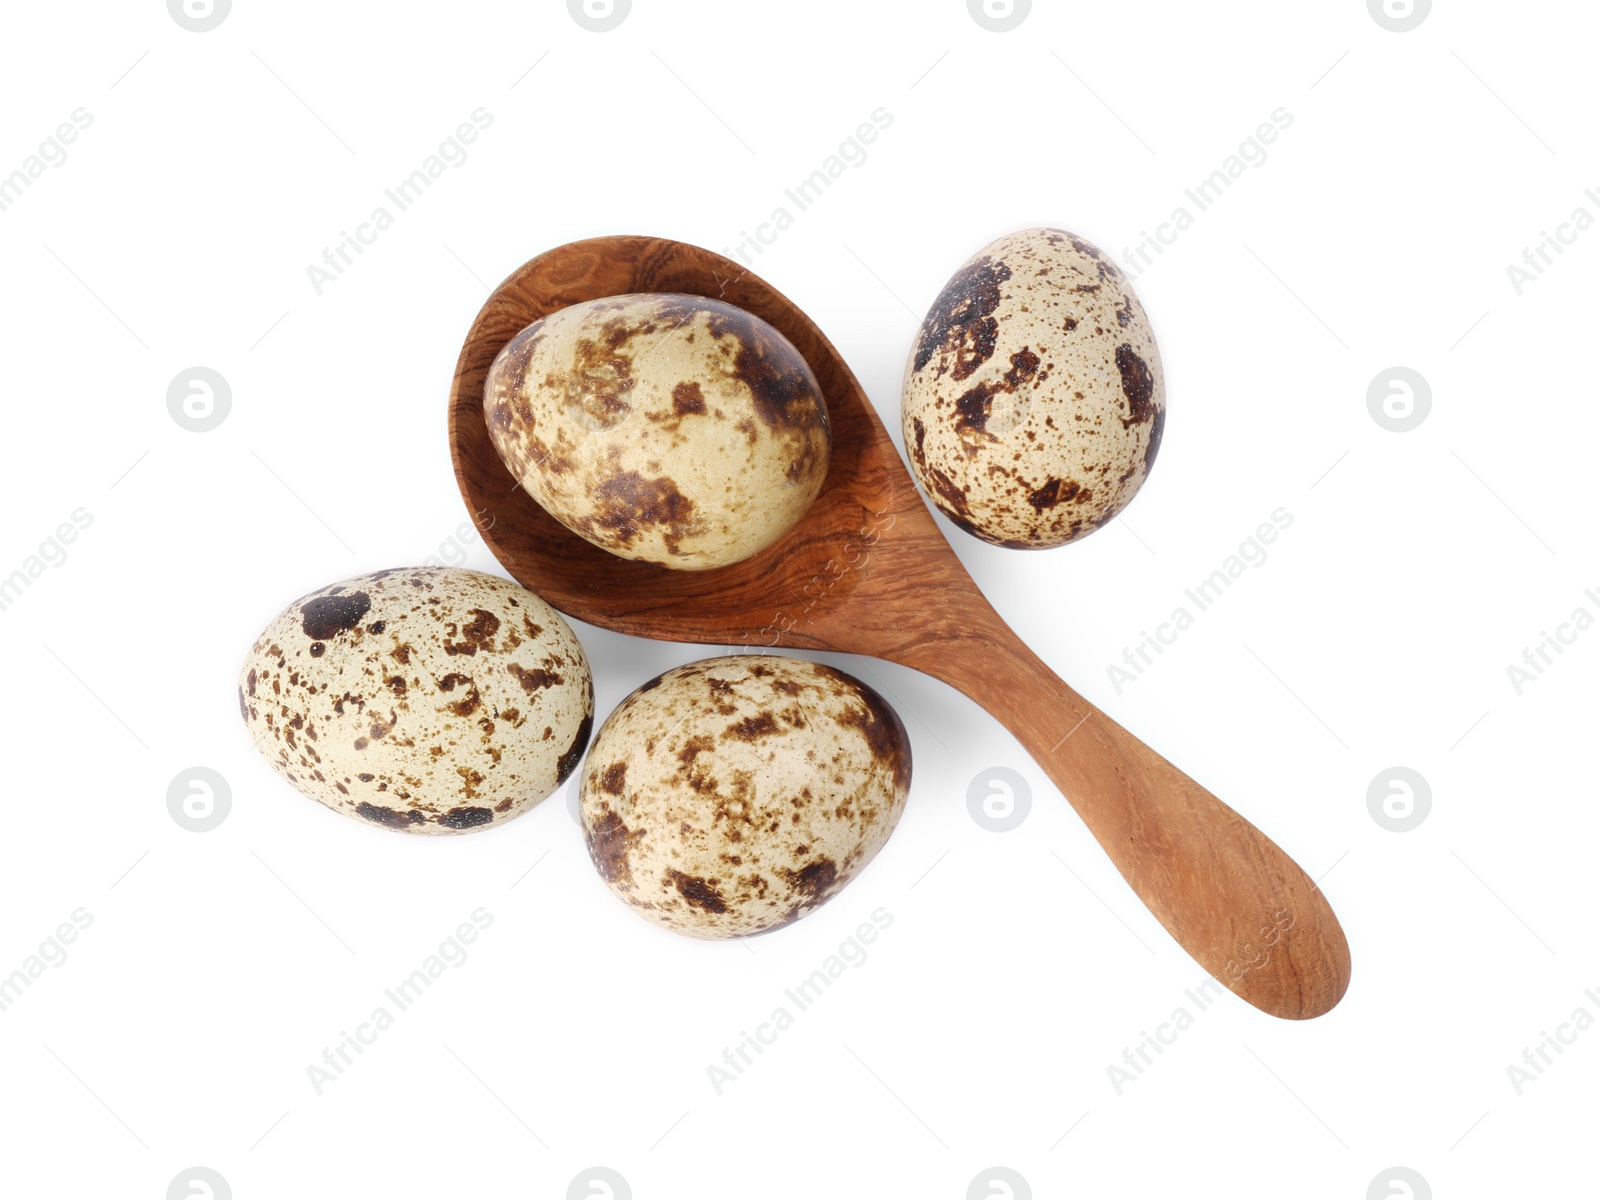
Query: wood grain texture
[[868, 572]]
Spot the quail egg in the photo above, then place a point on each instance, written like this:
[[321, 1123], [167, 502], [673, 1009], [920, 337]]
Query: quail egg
[[735, 795], [427, 699], [1034, 402], [667, 428]]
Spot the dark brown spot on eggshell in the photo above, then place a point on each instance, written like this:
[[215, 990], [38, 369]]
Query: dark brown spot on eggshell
[[574, 753], [627, 502], [1158, 424], [693, 747], [687, 400], [785, 392], [972, 410], [466, 818], [325, 617], [477, 634], [1052, 492], [392, 817], [973, 406], [697, 892], [534, 680], [814, 880], [1137, 384], [609, 841], [961, 321], [468, 703], [753, 728], [952, 500], [880, 725]]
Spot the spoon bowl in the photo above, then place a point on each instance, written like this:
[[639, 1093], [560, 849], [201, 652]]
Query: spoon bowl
[[867, 571], [739, 604]]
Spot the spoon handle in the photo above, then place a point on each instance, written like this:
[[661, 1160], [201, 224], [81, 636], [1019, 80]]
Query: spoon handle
[[1224, 890]]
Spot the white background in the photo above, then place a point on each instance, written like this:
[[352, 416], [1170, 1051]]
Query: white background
[[1018, 966]]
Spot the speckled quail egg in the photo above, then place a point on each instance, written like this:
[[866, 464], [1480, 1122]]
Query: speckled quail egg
[[428, 699], [1033, 399], [737, 794], [674, 429]]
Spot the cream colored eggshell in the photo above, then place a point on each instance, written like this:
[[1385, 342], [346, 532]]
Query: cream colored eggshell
[[429, 699], [734, 795], [674, 429], [1034, 398]]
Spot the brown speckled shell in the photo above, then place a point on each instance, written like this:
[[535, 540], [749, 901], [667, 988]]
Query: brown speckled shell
[[1034, 399], [672, 429], [734, 795], [428, 699]]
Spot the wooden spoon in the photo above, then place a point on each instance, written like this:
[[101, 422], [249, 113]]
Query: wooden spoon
[[867, 572]]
